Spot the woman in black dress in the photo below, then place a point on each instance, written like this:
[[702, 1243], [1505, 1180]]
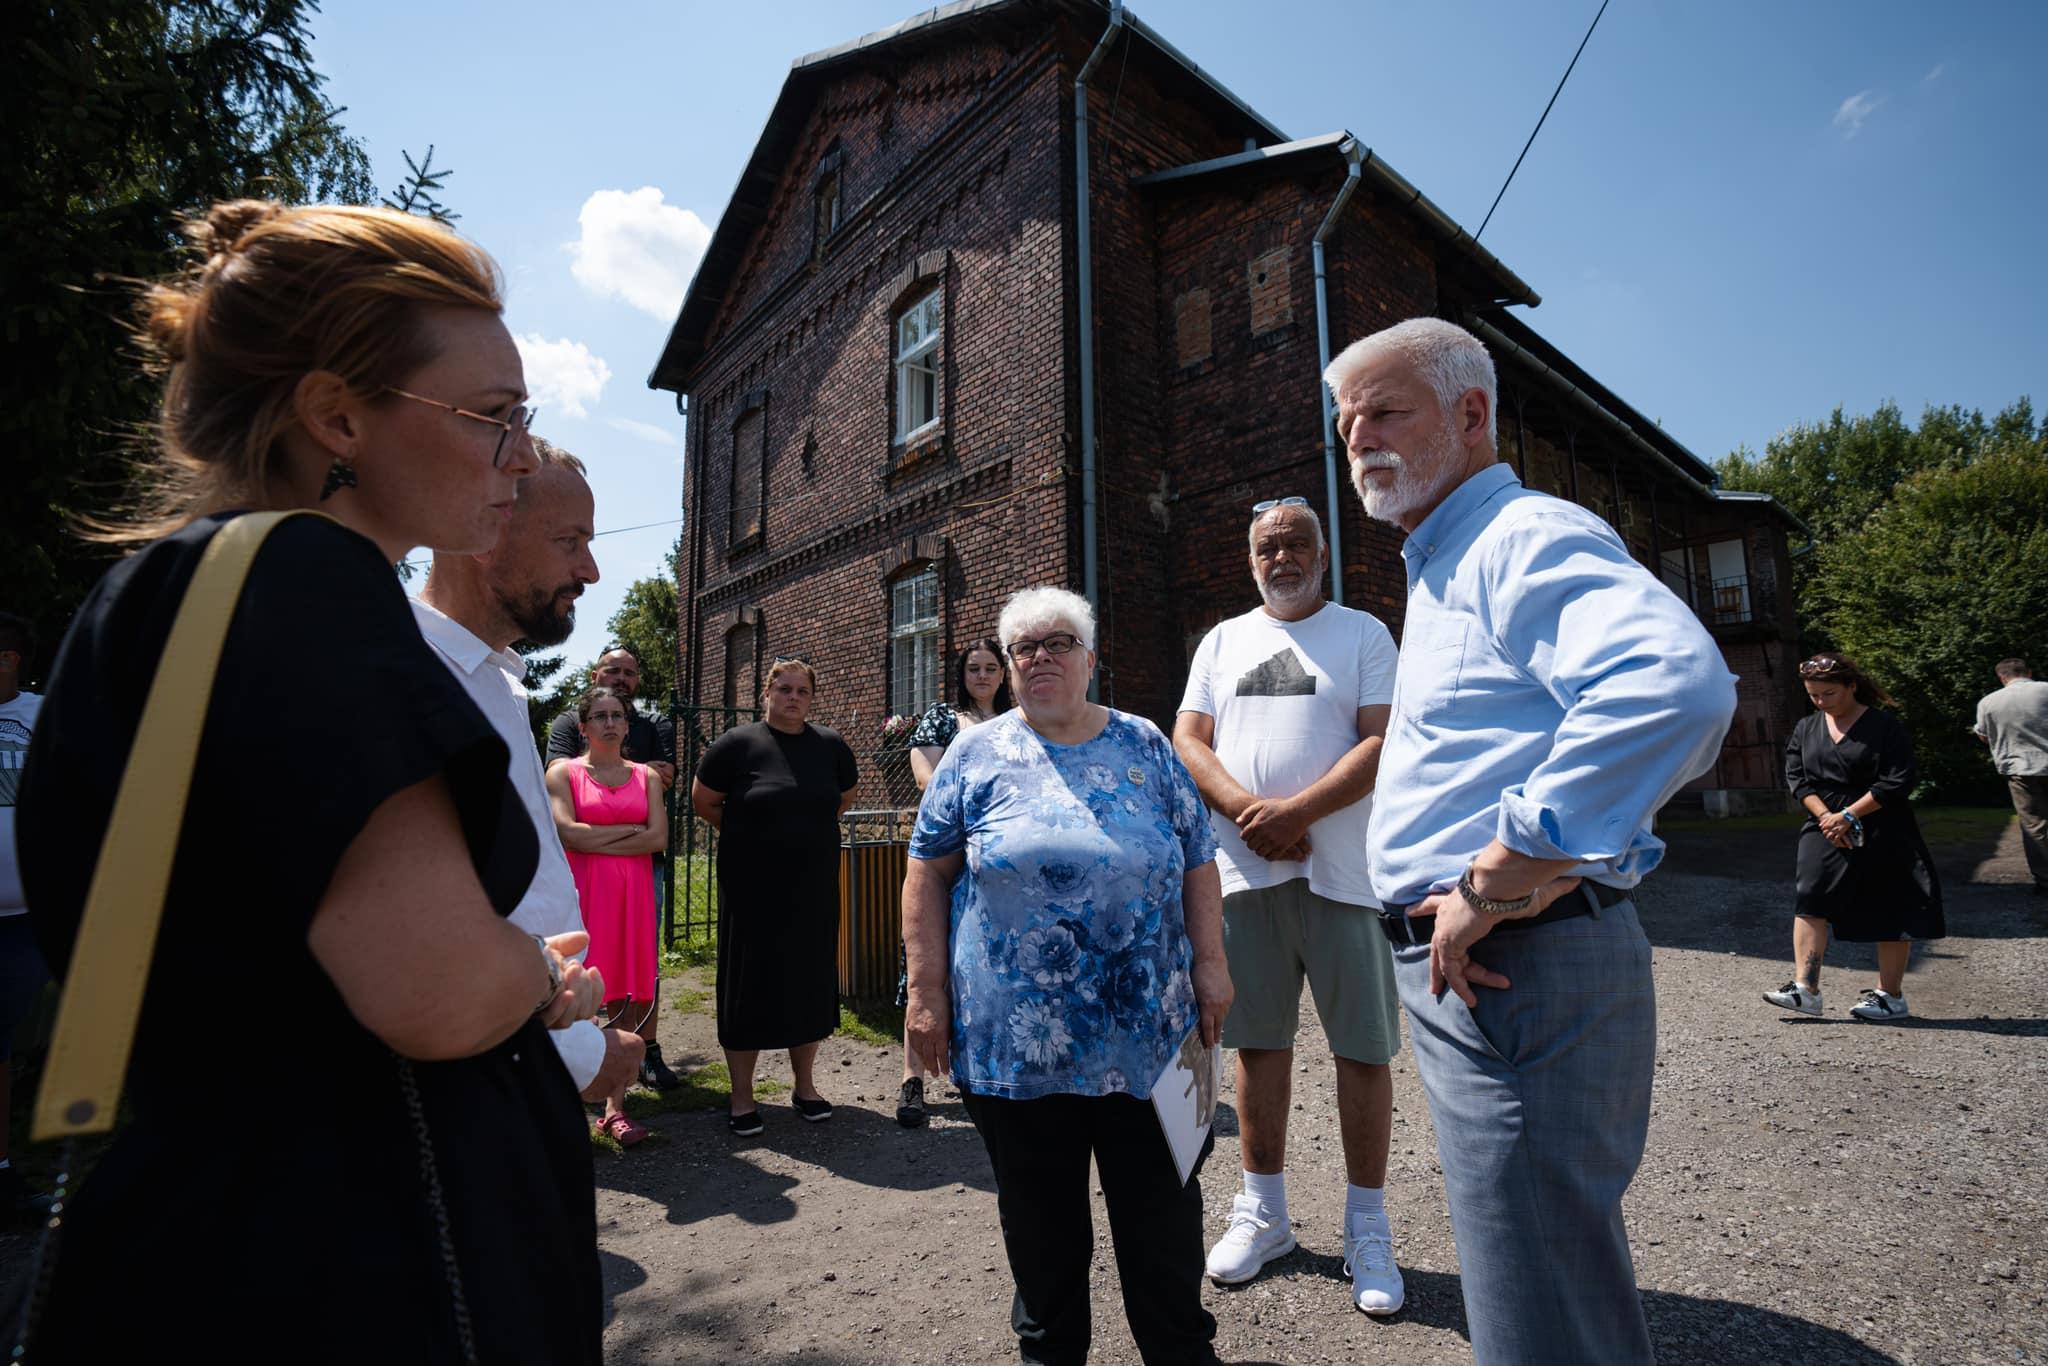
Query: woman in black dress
[[775, 790], [420, 1190], [981, 692], [1863, 868]]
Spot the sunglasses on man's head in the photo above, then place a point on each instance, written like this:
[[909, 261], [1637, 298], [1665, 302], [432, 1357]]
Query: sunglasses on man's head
[[1291, 501]]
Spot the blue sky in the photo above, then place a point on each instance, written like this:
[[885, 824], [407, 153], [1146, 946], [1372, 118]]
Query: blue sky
[[1739, 215]]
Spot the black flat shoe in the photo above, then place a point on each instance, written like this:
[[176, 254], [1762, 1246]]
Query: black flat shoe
[[817, 1110], [746, 1125], [910, 1109]]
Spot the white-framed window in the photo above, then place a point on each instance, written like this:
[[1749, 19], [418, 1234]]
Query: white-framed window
[[919, 329], [914, 643]]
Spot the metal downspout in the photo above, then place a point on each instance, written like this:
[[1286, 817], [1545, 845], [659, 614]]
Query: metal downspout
[[1090, 589], [1354, 165]]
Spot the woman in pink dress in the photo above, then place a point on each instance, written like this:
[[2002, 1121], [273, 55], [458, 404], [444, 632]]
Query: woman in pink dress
[[610, 816]]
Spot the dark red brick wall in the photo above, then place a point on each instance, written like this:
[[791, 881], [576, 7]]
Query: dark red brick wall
[[957, 167], [845, 509]]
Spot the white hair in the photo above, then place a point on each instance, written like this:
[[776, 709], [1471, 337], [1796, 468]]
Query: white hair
[[1034, 609], [1451, 360], [1322, 542]]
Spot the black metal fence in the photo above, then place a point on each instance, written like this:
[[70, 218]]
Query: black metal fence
[[689, 909]]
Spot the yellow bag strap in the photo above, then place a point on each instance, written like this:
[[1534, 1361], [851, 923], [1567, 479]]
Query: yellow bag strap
[[95, 1031]]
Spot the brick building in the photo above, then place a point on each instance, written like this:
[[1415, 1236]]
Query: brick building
[[898, 414]]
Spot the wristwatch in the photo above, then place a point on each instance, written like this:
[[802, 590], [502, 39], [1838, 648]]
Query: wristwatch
[[1486, 905], [554, 967]]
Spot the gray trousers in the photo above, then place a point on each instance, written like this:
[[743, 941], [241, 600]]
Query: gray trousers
[[1541, 1101], [2030, 800]]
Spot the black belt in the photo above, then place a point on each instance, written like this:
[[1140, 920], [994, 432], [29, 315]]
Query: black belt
[[1400, 929]]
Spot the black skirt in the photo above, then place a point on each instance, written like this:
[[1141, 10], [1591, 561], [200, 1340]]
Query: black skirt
[[1885, 890]]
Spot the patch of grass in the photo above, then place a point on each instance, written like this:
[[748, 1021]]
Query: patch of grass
[[879, 1025], [690, 953], [706, 1088], [690, 1000], [1938, 824]]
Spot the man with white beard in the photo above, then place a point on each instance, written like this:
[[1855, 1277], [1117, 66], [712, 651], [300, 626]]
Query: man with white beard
[[1552, 696], [1281, 728]]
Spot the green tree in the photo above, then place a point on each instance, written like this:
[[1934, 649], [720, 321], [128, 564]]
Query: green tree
[[1945, 578], [116, 116]]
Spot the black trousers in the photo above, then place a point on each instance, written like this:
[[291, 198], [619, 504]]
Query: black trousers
[[1040, 1150]]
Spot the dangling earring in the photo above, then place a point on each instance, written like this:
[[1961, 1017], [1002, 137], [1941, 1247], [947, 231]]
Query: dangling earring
[[340, 475]]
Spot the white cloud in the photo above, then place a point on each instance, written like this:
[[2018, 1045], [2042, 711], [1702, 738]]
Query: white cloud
[[1849, 116], [636, 248], [646, 431], [562, 375], [1931, 77]]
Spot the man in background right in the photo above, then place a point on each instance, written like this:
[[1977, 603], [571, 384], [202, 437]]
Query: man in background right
[[1551, 696], [2014, 722]]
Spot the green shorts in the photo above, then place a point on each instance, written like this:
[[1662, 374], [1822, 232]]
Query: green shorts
[[1275, 936]]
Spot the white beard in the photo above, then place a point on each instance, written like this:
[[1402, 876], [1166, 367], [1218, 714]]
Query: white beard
[[1417, 483], [1287, 598]]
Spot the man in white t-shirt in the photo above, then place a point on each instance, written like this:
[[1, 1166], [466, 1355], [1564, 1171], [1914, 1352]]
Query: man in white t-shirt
[[1282, 724], [471, 611], [22, 973]]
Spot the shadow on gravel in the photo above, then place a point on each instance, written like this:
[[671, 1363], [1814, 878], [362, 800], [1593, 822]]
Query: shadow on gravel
[[620, 1274], [699, 1170], [699, 1325], [1686, 1328], [1683, 1328], [1976, 1024]]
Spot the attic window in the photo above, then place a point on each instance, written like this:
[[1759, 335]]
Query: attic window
[[828, 201]]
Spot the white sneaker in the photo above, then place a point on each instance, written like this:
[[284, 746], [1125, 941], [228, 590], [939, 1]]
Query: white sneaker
[[1795, 998], [1880, 1005], [1249, 1243], [1376, 1285]]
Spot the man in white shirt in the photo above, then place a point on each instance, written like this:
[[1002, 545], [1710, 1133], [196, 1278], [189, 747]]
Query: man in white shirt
[[471, 611], [2014, 722], [1285, 713]]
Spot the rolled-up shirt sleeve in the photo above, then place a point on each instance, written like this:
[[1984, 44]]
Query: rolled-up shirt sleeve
[[1645, 695]]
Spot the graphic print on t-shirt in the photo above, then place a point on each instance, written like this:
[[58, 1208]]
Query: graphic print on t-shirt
[[1280, 676], [14, 739]]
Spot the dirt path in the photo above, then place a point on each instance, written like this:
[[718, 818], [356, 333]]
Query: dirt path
[[1820, 1192]]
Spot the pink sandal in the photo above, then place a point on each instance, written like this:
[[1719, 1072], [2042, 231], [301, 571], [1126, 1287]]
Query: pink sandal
[[621, 1129]]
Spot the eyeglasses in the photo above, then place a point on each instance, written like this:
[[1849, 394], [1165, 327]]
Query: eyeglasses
[[516, 423], [1822, 664], [1056, 644], [789, 659], [1292, 501]]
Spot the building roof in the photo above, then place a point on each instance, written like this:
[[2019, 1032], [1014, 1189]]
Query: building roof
[[754, 194], [1342, 145]]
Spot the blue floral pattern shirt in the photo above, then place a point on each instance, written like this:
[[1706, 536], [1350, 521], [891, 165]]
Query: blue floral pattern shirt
[[1069, 954]]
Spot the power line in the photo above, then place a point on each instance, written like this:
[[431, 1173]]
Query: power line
[[1539, 122], [672, 521]]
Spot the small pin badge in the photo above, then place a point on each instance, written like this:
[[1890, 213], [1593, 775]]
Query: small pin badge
[[1135, 774]]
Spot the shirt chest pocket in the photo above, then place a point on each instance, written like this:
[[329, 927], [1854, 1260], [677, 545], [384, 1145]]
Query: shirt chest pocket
[[1432, 665]]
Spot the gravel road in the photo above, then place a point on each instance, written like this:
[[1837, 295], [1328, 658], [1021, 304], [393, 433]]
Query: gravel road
[[1818, 1191]]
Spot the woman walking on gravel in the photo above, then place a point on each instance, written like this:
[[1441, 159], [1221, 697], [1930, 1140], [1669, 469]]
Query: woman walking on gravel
[[1863, 870]]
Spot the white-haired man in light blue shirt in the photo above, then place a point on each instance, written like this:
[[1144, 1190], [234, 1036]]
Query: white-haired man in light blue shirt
[[1551, 695]]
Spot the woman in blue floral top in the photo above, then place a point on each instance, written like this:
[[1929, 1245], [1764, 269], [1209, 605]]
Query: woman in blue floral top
[[1063, 921], [980, 693]]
